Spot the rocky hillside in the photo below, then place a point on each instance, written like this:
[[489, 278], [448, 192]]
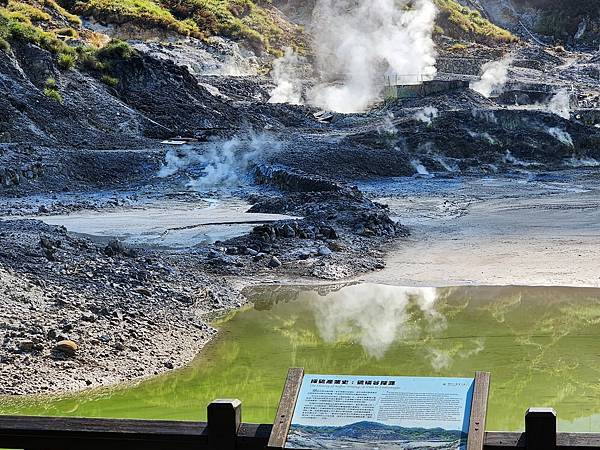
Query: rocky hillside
[[567, 20]]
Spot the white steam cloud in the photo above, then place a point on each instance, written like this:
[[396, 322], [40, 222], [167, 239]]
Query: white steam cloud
[[560, 104], [221, 164], [376, 315], [561, 135], [357, 43], [387, 128], [494, 77], [427, 114], [287, 74], [582, 161]]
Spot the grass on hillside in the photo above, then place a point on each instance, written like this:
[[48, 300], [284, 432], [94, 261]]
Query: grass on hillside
[[241, 19], [465, 23], [145, 13], [17, 22]]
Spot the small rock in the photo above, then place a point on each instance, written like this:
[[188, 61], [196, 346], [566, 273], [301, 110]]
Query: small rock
[[88, 317], [25, 345], [259, 257], [324, 251], [251, 252], [214, 254], [288, 232], [68, 347], [274, 262], [337, 247], [114, 248], [144, 291], [304, 255]]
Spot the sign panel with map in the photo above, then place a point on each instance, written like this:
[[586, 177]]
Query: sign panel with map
[[381, 412]]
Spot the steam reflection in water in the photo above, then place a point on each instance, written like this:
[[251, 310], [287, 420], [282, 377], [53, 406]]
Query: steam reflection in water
[[376, 316], [540, 344]]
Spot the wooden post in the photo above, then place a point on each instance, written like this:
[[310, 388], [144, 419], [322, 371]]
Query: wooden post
[[540, 429], [285, 412], [479, 411], [224, 419]]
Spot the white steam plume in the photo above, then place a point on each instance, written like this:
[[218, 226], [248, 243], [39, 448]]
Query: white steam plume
[[222, 164], [561, 135], [387, 128], [494, 77], [357, 43], [560, 104], [427, 114], [287, 75]]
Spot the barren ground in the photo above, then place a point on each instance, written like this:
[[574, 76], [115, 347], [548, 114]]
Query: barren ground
[[498, 232]]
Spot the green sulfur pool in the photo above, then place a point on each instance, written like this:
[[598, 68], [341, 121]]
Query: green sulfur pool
[[542, 346]]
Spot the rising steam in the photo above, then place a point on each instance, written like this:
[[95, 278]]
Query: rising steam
[[287, 74], [561, 135], [357, 43], [493, 78], [560, 104], [221, 164], [427, 114]]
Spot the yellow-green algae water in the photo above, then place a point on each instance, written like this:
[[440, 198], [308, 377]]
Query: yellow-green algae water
[[542, 346]]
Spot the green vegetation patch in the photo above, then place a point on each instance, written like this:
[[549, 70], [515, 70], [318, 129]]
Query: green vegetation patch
[[462, 22], [247, 20], [17, 24], [32, 13], [110, 80], [145, 13], [67, 60], [51, 91]]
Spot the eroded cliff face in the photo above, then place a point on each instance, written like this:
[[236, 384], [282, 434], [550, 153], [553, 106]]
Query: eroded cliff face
[[564, 21], [298, 11]]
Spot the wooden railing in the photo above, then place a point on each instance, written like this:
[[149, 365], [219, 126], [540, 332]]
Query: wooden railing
[[225, 431]]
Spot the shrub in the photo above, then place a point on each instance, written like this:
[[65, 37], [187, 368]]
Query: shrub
[[4, 46], [54, 95], [88, 58], [116, 50], [457, 47], [51, 90], [110, 81], [32, 13], [145, 13], [72, 18], [18, 27], [460, 21], [66, 61], [67, 32], [51, 83]]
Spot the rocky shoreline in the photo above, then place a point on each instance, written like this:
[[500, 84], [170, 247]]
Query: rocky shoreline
[[82, 314]]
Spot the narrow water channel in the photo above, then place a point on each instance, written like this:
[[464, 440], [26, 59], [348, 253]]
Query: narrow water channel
[[542, 346]]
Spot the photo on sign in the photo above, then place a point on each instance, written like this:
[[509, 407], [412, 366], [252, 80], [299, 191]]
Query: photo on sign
[[385, 413]]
